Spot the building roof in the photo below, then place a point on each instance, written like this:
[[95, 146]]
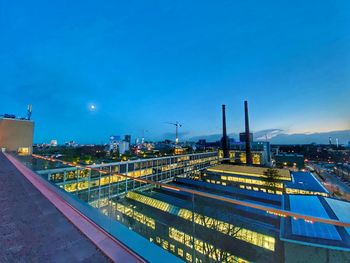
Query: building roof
[[340, 209], [238, 193], [246, 170], [316, 233], [32, 229], [15, 119], [305, 181], [311, 206]]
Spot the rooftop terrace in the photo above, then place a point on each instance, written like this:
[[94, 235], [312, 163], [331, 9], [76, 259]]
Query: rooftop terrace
[[33, 229], [41, 223]]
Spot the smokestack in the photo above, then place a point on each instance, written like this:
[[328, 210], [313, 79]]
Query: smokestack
[[224, 133], [248, 153]]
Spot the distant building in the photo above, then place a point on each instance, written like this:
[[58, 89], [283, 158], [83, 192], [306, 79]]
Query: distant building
[[179, 150], [202, 142], [123, 147], [127, 138], [71, 144], [289, 160], [243, 137], [16, 135], [231, 141], [261, 153], [254, 179], [204, 145], [343, 170], [114, 141], [116, 144], [53, 143]]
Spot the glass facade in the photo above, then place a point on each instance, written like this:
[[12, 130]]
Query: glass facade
[[91, 185], [246, 235], [197, 235]]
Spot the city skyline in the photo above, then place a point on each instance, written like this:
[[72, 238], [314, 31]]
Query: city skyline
[[181, 63], [175, 131]]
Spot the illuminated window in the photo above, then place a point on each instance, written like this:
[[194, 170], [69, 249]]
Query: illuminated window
[[23, 150], [199, 246], [242, 158], [165, 244], [224, 227], [256, 159]]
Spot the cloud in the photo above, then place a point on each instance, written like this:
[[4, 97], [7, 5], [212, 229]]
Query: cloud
[[279, 136], [321, 137], [267, 134]]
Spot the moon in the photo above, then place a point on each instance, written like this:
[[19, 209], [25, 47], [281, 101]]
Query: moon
[[92, 107]]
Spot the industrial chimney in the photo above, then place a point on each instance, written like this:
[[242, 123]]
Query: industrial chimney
[[224, 140], [247, 136]]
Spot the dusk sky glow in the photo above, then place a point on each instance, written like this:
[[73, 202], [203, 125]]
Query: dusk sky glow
[[92, 69]]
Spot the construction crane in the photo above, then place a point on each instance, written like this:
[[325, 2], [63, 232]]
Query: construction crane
[[177, 126]]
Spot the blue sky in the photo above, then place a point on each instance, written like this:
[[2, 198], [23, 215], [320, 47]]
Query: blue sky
[[144, 63]]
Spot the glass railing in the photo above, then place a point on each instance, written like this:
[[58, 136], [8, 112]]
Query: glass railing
[[194, 220]]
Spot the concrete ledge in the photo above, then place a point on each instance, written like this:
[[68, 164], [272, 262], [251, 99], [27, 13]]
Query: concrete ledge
[[111, 247]]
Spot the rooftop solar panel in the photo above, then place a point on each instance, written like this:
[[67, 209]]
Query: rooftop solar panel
[[341, 210], [310, 205]]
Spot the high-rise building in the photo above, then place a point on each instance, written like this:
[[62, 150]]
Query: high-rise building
[[123, 147], [114, 141], [116, 144], [127, 138]]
